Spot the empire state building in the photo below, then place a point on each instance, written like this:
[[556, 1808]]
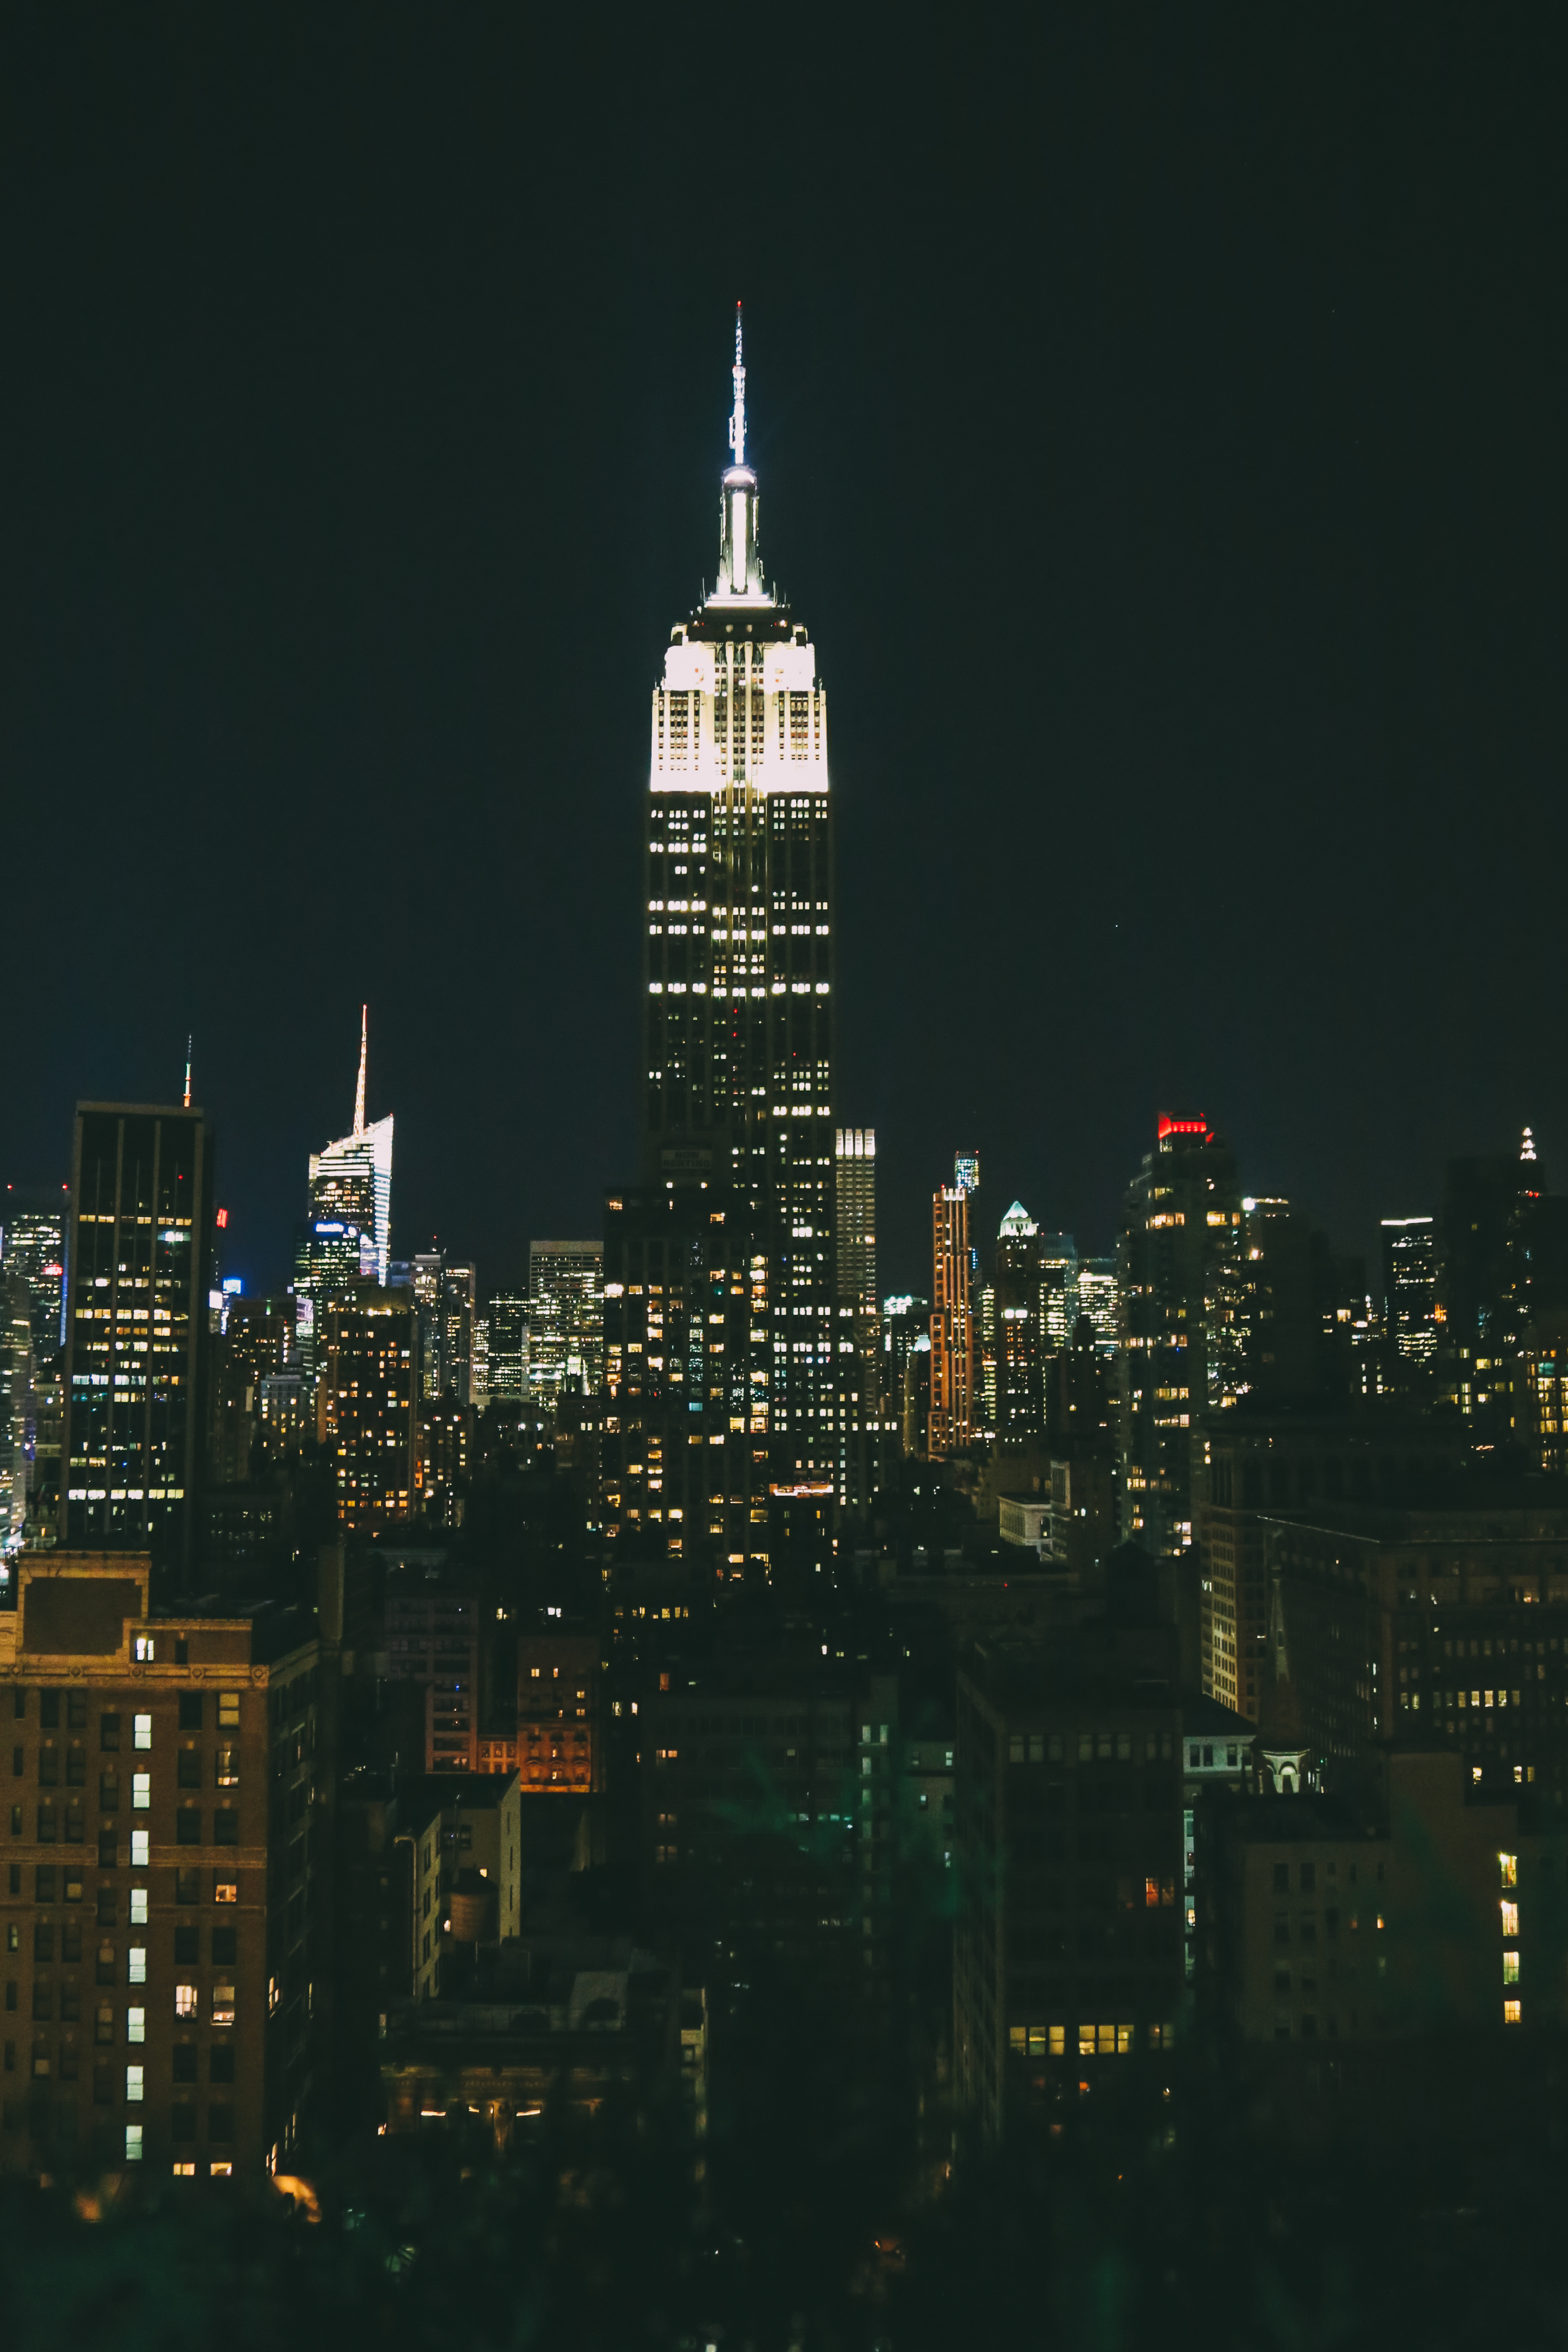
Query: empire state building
[[737, 1064]]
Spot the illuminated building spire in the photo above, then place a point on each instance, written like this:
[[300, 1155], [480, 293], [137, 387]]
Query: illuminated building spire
[[363, 1048], [190, 1041], [1527, 1147], [738, 420]]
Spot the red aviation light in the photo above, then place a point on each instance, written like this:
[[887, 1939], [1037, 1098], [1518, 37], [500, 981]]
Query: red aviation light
[[1182, 1126]]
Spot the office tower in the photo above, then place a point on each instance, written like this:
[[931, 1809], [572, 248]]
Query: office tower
[[906, 1326], [350, 1180], [480, 1362], [425, 1271], [508, 1358], [859, 1323], [686, 1456], [1068, 1948], [136, 1348], [446, 1300], [162, 1875], [16, 1414], [566, 1319], [443, 1443], [368, 1417], [34, 1222], [258, 1342], [1059, 1291], [966, 1171], [739, 988], [1098, 1300], [1020, 1410], [951, 1423], [1179, 1267], [1409, 1294]]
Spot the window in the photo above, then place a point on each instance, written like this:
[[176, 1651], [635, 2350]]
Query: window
[[185, 2068], [188, 1769], [183, 2116], [50, 1710], [187, 1826], [136, 2025], [143, 1649], [109, 1733], [1086, 2042], [108, 1851], [43, 1996], [223, 2004], [184, 2001], [1512, 2013], [73, 1882], [1508, 1869], [225, 1947], [105, 1971], [140, 1850], [190, 1711], [220, 2063], [1510, 1966], [106, 1908], [228, 1710], [47, 1831], [134, 2076], [136, 1964], [187, 1886], [220, 2122], [134, 2131], [226, 1890], [103, 2082], [1309, 1878], [187, 1945], [44, 1883], [141, 1731], [109, 1790], [44, 1939], [139, 1907], [228, 1768], [1509, 1919], [225, 1825], [141, 1792]]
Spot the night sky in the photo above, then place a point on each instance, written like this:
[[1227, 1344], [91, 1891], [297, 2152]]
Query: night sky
[[1160, 423]]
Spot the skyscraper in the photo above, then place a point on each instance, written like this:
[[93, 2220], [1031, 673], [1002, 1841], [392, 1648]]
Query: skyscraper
[[350, 1180], [1180, 1274], [952, 1414], [33, 1226], [738, 986], [1409, 1293], [855, 1198], [1020, 1406], [566, 1319], [508, 1366], [140, 1270]]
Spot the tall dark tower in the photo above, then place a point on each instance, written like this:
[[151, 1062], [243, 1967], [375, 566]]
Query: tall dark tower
[[739, 985], [139, 1265], [738, 1137]]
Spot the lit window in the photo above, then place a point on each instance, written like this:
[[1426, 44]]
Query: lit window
[[142, 1731], [133, 2084], [1106, 2038], [140, 1856], [184, 2171], [1511, 2013], [1510, 1968], [136, 1964], [220, 2167], [141, 1792], [228, 1710], [1059, 2034], [223, 2004], [136, 2025], [1508, 1869], [1509, 1919], [139, 1907], [143, 1651], [226, 1890], [133, 2143], [184, 2001], [1086, 2042]]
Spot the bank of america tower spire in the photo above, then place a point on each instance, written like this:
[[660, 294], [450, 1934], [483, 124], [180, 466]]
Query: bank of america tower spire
[[738, 986]]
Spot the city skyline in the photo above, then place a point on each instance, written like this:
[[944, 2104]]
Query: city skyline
[[1274, 712]]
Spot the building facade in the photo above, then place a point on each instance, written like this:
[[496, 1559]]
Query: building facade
[[137, 1329], [951, 1419], [566, 1319]]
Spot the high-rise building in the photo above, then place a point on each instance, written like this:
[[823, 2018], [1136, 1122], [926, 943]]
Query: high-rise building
[[566, 1319], [507, 1361], [951, 1424], [738, 986], [1020, 1410], [1179, 1268], [160, 1877], [136, 1346], [350, 1180], [854, 1161], [367, 1376], [16, 1414], [1096, 1298], [906, 1336], [1410, 1291], [1059, 1291], [445, 1295], [34, 1222]]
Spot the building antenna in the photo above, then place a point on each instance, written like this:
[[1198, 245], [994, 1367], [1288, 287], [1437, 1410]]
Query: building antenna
[[363, 1048], [738, 420], [190, 1041]]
